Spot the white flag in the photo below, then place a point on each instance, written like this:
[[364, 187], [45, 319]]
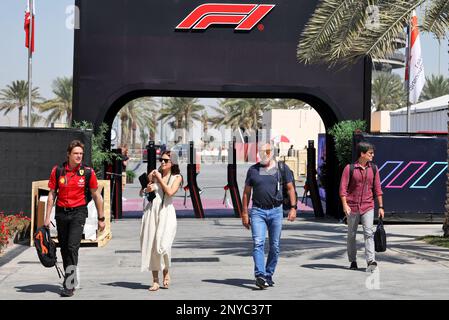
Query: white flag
[[415, 63]]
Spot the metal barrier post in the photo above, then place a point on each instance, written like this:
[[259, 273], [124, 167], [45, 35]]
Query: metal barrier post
[[192, 183], [312, 182], [232, 180]]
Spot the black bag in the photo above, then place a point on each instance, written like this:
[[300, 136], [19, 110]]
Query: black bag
[[46, 248], [380, 237], [143, 178], [285, 196]]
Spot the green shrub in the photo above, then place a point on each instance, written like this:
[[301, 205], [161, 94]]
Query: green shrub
[[99, 154], [342, 133], [130, 174]]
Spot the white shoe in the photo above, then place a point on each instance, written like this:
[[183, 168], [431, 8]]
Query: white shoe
[[372, 266]]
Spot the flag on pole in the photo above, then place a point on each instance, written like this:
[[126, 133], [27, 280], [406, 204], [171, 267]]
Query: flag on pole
[[28, 16], [414, 74]]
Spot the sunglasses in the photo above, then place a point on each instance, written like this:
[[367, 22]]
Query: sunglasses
[[267, 151], [164, 160]]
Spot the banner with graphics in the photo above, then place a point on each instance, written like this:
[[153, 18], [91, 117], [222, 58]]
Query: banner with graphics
[[412, 172]]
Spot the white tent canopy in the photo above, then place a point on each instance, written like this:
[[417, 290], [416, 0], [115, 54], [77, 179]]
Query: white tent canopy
[[426, 106]]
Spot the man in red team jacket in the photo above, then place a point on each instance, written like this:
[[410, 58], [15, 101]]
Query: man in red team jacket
[[357, 197], [71, 208]]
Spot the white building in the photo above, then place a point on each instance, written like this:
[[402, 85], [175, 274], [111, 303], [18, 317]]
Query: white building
[[300, 126]]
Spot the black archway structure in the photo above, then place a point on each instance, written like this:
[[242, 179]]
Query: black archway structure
[[128, 49]]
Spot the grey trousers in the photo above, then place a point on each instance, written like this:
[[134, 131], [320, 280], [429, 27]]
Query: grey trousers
[[368, 233]]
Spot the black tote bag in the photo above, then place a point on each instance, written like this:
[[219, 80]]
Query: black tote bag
[[380, 237]]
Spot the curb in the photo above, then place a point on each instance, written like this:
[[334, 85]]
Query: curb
[[12, 254]]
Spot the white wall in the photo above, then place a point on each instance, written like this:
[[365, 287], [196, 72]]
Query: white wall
[[298, 125], [380, 121]]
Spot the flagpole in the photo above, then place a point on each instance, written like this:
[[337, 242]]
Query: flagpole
[[30, 62], [408, 78]]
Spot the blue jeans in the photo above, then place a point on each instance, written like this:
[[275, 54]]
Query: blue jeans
[[261, 220]]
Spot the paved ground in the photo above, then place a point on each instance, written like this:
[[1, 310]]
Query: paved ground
[[212, 260]]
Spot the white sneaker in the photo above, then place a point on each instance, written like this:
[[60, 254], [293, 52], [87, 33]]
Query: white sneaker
[[372, 265]]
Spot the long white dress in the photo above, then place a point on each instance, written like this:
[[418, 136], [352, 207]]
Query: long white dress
[[158, 231]]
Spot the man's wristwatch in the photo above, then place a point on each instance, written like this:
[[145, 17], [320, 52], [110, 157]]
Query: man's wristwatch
[[294, 207], [101, 219], [381, 207]]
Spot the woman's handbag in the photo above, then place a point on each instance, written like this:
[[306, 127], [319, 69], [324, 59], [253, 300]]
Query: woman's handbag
[[143, 178], [380, 237]]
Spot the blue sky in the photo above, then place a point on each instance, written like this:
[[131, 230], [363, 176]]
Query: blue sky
[[54, 45]]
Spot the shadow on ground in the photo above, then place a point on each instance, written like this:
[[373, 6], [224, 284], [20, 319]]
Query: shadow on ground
[[242, 283], [328, 266], [127, 285], [39, 288]]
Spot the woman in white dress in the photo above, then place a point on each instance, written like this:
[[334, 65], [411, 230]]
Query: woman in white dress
[[158, 228]]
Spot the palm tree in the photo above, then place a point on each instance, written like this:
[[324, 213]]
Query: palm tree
[[340, 31], [145, 118], [388, 92], [290, 104], [61, 105], [436, 86], [205, 121], [35, 118], [123, 115], [183, 111], [16, 96], [241, 114], [137, 114]]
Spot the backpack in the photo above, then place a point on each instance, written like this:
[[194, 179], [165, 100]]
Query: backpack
[[46, 248], [83, 171], [351, 173], [380, 237], [285, 196]]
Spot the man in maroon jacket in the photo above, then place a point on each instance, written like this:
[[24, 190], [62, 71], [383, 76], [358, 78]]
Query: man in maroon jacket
[[356, 193]]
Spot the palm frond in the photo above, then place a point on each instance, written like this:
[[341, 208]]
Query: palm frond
[[436, 19], [352, 24], [53, 116], [379, 42], [319, 31]]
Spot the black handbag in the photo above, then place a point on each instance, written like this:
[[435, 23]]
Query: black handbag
[[380, 237], [143, 179]]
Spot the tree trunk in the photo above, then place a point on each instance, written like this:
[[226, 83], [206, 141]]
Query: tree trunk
[[20, 116], [152, 129], [69, 118], [130, 130], [133, 141], [446, 207], [123, 136]]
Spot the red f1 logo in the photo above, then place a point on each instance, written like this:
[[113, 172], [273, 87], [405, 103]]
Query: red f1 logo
[[245, 16]]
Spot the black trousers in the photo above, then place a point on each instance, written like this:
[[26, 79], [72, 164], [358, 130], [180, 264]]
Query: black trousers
[[70, 225]]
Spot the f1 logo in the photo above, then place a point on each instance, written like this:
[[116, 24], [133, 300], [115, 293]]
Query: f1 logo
[[245, 16]]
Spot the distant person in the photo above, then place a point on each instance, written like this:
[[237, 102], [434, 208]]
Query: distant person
[[158, 227], [357, 197], [70, 183], [125, 159], [224, 154], [264, 180], [290, 151]]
